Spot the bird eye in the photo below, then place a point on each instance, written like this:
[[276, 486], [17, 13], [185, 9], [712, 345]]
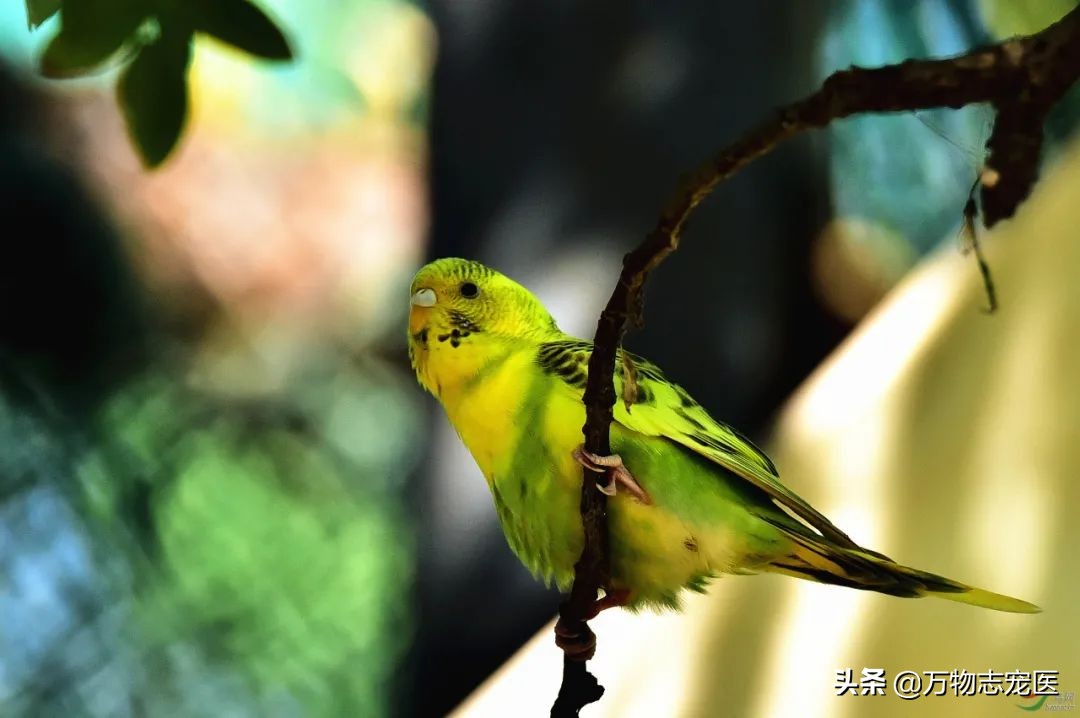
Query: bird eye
[[469, 290]]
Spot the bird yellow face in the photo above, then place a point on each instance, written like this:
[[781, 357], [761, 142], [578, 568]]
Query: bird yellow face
[[460, 309], [450, 294]]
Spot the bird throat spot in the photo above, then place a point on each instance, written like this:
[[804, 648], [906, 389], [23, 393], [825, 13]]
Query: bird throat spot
[[454, 337], [460, 321]]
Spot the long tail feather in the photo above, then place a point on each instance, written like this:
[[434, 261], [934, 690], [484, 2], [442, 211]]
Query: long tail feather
[[817, 560]]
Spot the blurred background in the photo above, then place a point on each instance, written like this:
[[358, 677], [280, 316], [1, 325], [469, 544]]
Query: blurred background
[[221, 490]]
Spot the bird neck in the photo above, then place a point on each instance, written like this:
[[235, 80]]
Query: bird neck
[[452, 367]]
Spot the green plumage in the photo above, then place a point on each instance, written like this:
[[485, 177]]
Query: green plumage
[[512, 385]]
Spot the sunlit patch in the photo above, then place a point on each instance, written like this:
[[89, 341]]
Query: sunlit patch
[[868, 364]]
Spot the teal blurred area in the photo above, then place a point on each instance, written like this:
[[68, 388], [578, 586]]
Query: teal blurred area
[[917, 194], [899, 183]]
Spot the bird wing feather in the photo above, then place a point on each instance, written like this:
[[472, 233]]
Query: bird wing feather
[[658, 407]]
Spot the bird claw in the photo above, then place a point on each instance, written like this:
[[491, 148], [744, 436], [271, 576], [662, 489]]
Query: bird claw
[[607, 489], [612, 598], [616, 471]]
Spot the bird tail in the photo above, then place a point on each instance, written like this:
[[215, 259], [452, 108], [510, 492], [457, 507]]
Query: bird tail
[[816, 559]]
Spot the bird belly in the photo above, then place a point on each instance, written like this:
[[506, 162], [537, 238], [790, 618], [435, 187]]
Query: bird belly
[[691, 532], [653, 551], [656, 554], [694, 528]]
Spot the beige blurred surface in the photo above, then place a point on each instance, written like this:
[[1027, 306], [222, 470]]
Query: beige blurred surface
[[946, 438]]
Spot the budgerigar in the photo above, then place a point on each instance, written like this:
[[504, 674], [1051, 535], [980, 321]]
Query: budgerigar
[[692, 499]]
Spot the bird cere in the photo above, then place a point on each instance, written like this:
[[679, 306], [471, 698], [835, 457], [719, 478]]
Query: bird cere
[[691, 498]]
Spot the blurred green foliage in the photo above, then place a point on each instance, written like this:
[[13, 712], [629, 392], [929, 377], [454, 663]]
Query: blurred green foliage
[[1005, 18], [152, 38], [176, 548], [223, 554]]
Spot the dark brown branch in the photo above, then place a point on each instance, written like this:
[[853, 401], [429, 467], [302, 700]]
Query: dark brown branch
[[1022, 78]]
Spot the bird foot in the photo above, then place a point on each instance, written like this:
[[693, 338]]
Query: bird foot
[[617, 474], [611, 599]]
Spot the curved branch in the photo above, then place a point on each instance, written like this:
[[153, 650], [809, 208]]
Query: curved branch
[[1022, 78]]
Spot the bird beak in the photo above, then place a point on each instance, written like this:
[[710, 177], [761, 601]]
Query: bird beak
[[423, 298], [421, 301]]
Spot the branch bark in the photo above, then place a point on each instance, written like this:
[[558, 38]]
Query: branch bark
[[1021, 78]]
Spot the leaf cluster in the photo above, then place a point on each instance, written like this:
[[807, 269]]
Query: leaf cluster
[[152, 41]]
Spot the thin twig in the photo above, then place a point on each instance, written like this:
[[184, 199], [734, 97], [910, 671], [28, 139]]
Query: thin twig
[[969, 232], [1021, 78]]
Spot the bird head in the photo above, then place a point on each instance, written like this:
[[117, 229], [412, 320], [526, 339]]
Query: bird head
[[463, 298]]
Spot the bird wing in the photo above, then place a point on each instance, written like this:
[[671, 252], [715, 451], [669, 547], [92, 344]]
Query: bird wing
[[659, 407]]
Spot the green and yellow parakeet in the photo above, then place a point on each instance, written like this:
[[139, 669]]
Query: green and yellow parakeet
[[691, 498]]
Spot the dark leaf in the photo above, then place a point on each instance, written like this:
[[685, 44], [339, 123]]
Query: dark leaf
[[153, 94], [38, 11], [241, 24], [90, 33]]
